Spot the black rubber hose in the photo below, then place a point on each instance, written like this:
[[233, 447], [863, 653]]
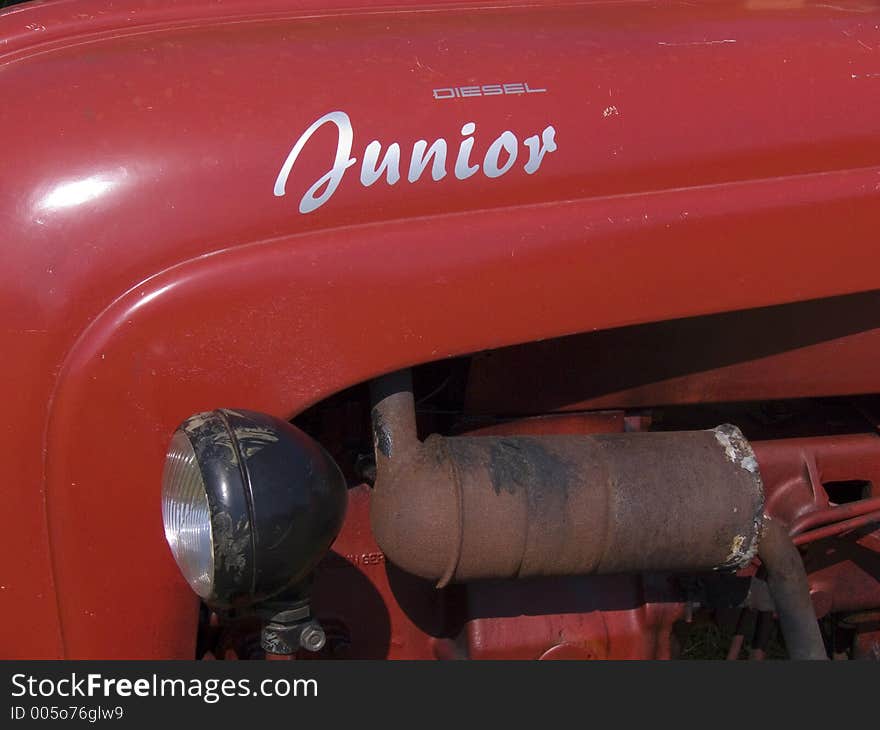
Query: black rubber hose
[[787, 582]]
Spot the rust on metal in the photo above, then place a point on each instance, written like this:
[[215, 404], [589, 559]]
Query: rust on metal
[[472, 507]]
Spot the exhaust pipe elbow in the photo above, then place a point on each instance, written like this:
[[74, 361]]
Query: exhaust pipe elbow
[[414, 510]]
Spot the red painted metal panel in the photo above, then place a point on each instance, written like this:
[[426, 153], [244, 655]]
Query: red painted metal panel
[[812, 349], [709, 158]]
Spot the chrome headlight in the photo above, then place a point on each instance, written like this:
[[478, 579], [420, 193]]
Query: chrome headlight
[[250, 505]]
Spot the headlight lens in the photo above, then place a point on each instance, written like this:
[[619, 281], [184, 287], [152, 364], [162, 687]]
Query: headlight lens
[[186, 515]]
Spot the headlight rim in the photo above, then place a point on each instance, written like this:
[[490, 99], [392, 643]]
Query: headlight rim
[[228, 494], [180, 460]]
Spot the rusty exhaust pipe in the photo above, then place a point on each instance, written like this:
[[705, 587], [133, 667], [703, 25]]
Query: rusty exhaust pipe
[[465, 508], [478, 507]]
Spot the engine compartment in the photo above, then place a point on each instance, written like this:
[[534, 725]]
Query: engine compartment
[[819, 459]]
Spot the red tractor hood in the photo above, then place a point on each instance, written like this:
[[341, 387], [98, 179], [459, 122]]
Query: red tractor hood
[[259, 202]]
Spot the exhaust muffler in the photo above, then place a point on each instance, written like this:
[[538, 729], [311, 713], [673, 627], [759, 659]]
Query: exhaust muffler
[[465, 508]]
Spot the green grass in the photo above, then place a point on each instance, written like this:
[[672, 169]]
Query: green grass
[[710, 641]]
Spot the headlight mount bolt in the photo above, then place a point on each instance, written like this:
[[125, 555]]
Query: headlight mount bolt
[[292, 629], [313, 637]]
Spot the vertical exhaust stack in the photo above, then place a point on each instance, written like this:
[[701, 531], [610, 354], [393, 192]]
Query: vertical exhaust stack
[[466, 508]]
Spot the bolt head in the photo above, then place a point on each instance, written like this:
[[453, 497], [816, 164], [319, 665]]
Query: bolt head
[[313, 638]]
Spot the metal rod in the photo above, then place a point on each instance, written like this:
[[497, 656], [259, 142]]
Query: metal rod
[[820, 533], [834, 514]]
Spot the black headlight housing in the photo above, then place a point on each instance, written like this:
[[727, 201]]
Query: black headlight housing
[[263, 497]]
